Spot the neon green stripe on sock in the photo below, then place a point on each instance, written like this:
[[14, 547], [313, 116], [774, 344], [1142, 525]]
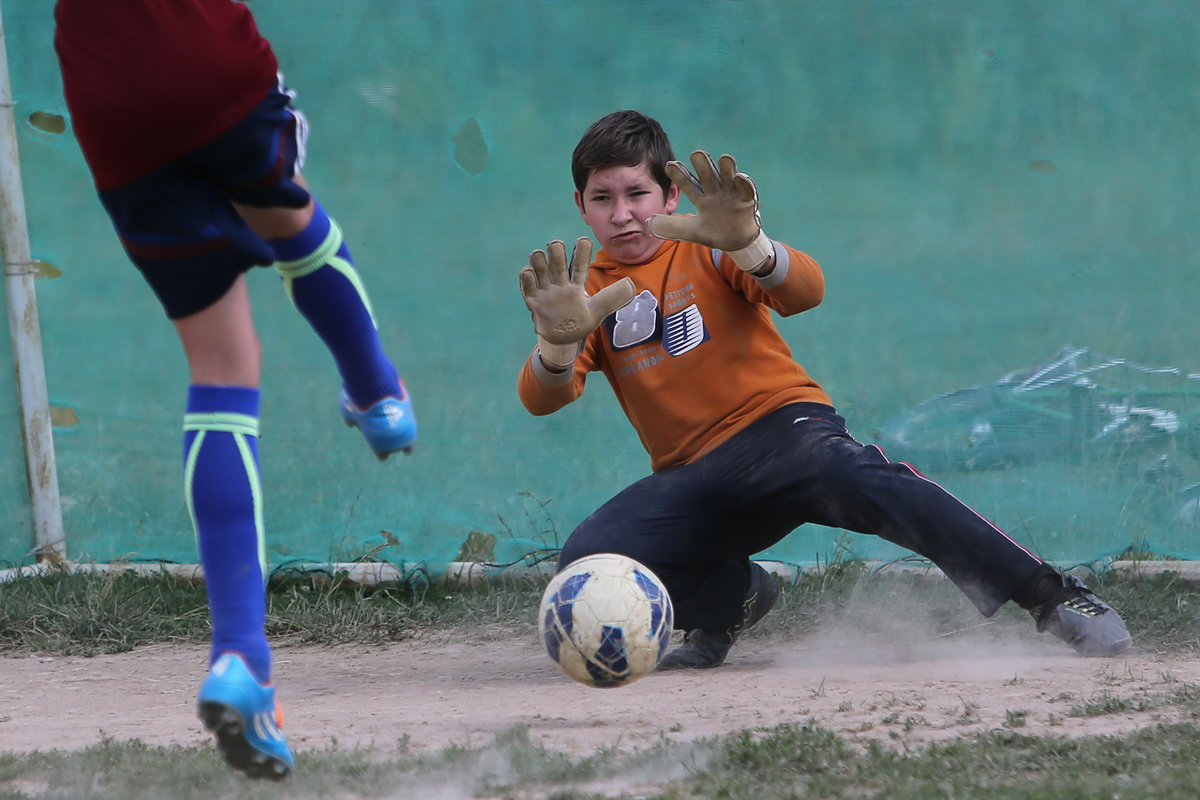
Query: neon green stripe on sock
[[248, 427], [189, 473], [325, 255], [243, 424], [251, 466], [291, 270]]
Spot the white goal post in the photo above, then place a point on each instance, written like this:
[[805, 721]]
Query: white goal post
[[49, 541]]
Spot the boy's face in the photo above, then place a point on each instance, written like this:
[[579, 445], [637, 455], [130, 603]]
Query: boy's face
[[616, 203]]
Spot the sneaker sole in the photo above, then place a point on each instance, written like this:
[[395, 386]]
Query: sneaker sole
[[381, 455], [230, 729], [1107, 650], [669, 664]]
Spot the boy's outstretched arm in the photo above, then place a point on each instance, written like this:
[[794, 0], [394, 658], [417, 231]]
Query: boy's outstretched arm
[[563, 313], [726, 215]]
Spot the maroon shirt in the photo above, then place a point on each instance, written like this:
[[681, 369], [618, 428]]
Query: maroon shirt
[[149, 80]]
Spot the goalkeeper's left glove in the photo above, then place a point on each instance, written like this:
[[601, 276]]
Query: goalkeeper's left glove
[[726, 211]]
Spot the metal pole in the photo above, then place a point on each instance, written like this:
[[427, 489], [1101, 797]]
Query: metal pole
[[19, 270]]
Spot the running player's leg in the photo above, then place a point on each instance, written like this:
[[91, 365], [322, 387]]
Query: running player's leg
[[221, 473], [257, 163], [187, 242], [221, 478]]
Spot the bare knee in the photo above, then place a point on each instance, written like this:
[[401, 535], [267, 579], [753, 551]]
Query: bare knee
[[276, 222]]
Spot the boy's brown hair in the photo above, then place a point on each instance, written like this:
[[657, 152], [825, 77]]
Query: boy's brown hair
[[622, 139]]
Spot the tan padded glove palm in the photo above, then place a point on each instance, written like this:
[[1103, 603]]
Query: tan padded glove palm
[[563, 314], [726, 215]]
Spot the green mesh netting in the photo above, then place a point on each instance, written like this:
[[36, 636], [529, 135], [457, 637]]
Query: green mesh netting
[[983, 183]]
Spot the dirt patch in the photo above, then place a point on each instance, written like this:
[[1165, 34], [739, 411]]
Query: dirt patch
[[429, 693]]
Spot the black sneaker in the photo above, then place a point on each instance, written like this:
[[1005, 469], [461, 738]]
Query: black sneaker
[[703, 649], [761, 597], [1082, 620]]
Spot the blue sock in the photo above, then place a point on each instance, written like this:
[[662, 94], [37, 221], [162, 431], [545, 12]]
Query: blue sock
[[319, 277], [224, 498]]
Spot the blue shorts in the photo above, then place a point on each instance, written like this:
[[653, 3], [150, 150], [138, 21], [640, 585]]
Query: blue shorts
[[178, 224]]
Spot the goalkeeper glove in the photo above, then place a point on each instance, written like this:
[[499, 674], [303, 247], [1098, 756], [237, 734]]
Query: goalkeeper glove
[[563, 314], [726, 211]]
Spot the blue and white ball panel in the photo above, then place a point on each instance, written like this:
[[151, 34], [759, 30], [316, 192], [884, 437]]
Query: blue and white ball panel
[[606, 620]]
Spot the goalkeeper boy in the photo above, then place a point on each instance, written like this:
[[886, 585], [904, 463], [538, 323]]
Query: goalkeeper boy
[[744, 445]]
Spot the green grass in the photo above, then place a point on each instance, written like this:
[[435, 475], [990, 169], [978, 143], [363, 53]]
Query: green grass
[[82, 614], [788, 761], [90, 614]]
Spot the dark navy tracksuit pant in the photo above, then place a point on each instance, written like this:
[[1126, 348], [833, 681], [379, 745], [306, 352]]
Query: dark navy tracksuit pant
[[697, 525]]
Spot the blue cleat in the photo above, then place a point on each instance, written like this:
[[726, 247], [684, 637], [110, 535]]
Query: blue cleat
[[246, 718], [389, 426]]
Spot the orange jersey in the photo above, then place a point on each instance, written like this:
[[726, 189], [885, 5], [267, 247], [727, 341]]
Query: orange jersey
[[695, 357]]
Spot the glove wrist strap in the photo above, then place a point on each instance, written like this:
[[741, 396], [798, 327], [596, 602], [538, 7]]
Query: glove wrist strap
[[752, 256], [557, 356]]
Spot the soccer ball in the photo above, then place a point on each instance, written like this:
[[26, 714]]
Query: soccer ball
[[606, 620]]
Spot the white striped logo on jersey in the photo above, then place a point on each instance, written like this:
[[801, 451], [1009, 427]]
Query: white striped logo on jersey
[[683, 331]]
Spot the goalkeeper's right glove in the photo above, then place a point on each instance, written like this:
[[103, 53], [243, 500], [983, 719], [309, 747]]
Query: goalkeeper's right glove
[[563, 313]]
